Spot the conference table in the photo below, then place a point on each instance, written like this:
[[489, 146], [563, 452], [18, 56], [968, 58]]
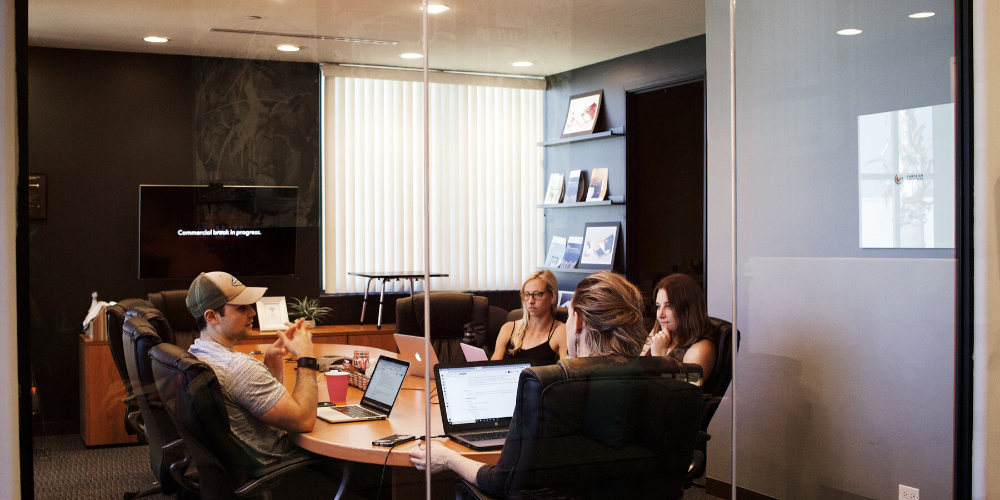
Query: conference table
[[353, 441]]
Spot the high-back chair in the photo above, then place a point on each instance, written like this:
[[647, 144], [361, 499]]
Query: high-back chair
[[598, 428], [138, 338], [173, 305], [498, 316], [450, 312], [192, 396], [114, 318]]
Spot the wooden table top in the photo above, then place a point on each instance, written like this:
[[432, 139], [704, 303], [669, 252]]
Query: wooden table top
[[353, 441]]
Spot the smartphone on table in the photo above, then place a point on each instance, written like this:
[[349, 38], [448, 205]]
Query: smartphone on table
[[393, 440]]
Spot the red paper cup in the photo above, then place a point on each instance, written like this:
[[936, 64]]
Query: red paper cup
[[336, 385]]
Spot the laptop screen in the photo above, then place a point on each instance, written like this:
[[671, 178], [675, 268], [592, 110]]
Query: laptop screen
[[386, 380], [476, 394]]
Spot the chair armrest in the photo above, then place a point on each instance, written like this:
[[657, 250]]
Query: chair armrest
[[133, 420], [465, 490], [179, 468], [264, 474]]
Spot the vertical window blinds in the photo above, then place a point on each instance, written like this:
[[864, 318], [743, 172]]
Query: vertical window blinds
[[485, 180]]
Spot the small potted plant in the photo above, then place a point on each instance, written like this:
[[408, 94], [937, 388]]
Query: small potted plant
[[309, 309]]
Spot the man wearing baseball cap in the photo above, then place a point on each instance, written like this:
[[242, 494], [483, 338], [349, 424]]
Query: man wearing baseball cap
[[261, 411]]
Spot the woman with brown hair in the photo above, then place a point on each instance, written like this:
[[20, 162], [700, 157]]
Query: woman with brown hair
[[682, 329], [537, 336], [605, 319]]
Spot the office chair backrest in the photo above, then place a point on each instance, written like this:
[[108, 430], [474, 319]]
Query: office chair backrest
[[115, 318], [498, 317], [603, 428], [155, 318], [173, 305], [191, 394], [139, 337], [718, 381], [450, 312], [560, 315]]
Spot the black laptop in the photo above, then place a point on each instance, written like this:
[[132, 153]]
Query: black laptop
[[477, 400]]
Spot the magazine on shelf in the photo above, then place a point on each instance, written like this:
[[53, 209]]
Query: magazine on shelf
[[574, 247], [576, 187], [598, 185], [554, 194], [556, 250]]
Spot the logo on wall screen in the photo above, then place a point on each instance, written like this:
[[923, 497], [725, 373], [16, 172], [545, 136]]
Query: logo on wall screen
[[236, 282], [899, 179]]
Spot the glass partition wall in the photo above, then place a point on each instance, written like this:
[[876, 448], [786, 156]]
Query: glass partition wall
[[845, 245]]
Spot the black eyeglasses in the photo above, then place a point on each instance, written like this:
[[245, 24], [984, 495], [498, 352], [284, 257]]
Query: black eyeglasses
[[533, 295]]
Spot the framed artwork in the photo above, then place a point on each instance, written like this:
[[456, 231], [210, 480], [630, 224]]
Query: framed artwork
[[272, 313], [600, 239], [581, 117], [36, 196], [564, 298]]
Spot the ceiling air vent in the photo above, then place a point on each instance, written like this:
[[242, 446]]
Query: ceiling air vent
[[299, 35]]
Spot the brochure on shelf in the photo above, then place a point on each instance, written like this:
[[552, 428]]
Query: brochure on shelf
[[576, 187], [556, 250], [598, 185], [574, 247], [554, 194]]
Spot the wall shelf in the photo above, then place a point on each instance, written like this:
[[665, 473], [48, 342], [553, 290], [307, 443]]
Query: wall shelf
[[612, 200], [615, 132], [567, 270]]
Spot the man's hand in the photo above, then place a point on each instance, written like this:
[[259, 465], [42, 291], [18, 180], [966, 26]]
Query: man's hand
[[297, 340], [274, 359]]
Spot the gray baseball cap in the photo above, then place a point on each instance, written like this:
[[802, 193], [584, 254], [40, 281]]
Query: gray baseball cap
[[215, 289]]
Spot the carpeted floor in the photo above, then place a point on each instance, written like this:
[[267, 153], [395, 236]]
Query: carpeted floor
[[66, 470]]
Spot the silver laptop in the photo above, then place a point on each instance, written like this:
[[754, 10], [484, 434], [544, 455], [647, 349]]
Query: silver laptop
[[411, 349], [477, 401], [380, 396]]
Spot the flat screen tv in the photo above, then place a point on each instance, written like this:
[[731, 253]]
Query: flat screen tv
[[243, 230]]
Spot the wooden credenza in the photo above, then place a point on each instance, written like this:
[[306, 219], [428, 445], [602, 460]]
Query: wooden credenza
[[102, 414]]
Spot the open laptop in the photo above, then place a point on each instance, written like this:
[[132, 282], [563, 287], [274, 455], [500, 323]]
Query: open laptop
[[412, 349], [376, 404], [473, 353], [477, 401]]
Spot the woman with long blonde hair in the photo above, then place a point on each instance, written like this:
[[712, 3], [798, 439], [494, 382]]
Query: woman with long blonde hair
[[537, 336]]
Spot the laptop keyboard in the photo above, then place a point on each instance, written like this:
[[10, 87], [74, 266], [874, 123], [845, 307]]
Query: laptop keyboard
[[356, 411], [485, 436]]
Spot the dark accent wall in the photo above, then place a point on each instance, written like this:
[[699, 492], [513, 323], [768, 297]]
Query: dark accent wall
[[678, 61]]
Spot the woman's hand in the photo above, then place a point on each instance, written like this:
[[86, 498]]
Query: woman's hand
[[439, 459], [661, 342]]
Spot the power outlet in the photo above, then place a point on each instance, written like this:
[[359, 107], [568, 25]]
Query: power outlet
[[908, 493]]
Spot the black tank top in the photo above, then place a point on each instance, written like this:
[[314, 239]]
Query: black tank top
[[541, 354]]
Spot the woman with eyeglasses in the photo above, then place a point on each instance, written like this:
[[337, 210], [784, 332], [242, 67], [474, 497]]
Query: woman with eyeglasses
[[537, 336], [682, 330]]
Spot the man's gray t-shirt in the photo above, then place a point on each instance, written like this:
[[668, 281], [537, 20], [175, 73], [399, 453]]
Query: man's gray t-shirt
[[249, 391]]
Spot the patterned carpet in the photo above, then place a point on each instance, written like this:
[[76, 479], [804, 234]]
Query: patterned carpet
[[66, 470]]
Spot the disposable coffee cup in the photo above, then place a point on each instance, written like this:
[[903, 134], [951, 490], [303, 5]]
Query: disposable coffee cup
[[336, 385]]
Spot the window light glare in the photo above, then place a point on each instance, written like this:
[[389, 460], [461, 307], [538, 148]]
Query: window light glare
[[522, 64], [288, 48], [156, 39], [411, 55], [849, 31], [436, 9], [921, 15]]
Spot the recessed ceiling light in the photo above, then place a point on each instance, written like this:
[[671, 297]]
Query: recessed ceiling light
[[253, 18], [435, 9], [288, 48], [921, 15], [156, 39], [849, 31], [411, 55], [522, 64]]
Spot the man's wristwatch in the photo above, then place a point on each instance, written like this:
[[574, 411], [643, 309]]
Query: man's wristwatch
[[307, 363]]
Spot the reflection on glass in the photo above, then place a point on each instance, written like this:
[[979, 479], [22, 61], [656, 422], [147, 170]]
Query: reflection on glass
[[902, 203]]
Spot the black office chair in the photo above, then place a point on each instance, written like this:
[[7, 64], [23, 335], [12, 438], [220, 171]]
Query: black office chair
[[139, 337], [498, 317], [560, 315], [114, 318], [173, 305], [450, 313], [714, 389], [591, 428], [191, 394]]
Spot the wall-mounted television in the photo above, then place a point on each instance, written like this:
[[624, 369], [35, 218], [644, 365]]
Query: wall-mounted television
[[243, 230]]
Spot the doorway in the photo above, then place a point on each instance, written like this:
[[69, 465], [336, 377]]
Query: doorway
[[665, 184]]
